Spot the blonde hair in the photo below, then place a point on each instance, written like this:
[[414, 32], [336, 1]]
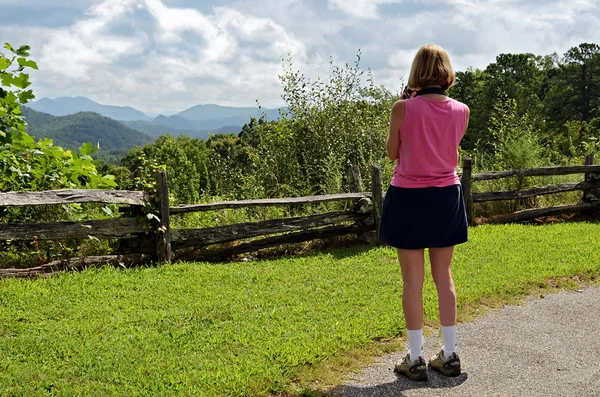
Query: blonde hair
[[431, 66]]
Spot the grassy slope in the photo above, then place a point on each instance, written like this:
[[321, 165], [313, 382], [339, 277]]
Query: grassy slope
[[250, 328]]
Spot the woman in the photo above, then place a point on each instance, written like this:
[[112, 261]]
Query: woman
[[424, 206]]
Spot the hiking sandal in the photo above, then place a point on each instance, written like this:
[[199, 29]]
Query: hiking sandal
[[447, 366], [413, 370]]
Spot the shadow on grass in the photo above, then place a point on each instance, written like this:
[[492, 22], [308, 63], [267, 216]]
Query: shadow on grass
[[395, 388]]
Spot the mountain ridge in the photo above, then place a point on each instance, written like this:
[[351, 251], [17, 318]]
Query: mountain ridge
[[203, 117], [65, 106]]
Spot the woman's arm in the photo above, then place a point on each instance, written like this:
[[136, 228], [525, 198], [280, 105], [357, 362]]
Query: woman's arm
[[393, 141], [468, 116]]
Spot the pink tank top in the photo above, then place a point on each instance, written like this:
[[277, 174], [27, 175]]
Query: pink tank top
[[429, 139]]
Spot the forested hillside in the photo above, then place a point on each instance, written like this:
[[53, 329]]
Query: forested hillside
[[73, 130]]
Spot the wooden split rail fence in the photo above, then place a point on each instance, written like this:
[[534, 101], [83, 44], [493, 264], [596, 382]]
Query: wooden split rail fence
[[590, 187], [145, 239]]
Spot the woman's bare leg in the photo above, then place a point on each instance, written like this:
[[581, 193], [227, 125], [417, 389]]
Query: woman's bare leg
[[412, 265], [441, 263], [411, 262]]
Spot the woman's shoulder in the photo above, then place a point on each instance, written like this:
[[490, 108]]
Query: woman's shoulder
[[399, 104], [399, 107], [461, 104]]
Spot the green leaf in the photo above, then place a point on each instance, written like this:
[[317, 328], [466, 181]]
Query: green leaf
[[7, 80], [86, 149], [23, 51], [27, 63], [8, 47], [4, 63], [107, 211], [24, 80], [26, 96]]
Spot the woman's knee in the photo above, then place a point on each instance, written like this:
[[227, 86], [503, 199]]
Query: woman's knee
[[445, 286], [413, 284]]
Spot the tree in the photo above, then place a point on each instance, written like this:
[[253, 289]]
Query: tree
[[24, 163], [575, 91], [582, 70], [13, 91]]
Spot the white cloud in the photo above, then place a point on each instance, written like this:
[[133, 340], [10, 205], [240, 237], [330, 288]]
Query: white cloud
[[361, 8], [224, 57], [160, 55]]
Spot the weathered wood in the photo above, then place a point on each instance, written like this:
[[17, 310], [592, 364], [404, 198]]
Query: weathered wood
[[355, 179], [110, 228], [536, 191], [163, 234], [467, 187], [187, 238], [524, 215], [77, 264], [78, 196], [377, 195], [268, 202], [292, 238], [593, 193], [544, 171]]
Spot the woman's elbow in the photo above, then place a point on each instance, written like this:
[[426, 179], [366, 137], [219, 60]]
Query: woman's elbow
[[392, 154]]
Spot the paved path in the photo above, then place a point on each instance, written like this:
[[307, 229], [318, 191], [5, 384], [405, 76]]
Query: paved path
[[545, 347]]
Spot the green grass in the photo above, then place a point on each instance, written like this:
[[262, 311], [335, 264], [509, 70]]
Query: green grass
[[253, 328]]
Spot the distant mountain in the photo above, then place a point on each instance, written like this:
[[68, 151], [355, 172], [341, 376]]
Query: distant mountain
[[175, 122], [216, 112], [157, 130], [212, 125], [73, 130], [152, 129], [69, 105], [197, 118]]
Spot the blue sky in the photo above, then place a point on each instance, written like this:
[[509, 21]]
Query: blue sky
[[168, 55]]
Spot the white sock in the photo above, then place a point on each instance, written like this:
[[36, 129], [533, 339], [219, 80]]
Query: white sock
[[449, 336], [415, 343]]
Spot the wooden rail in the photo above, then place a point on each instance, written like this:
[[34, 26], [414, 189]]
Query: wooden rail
[[111, 228], [590, 187], [291, 238], [524, 215], [77, 196], [130, 260], [188, 238], [533, 192], [544, 171], [267, 202]]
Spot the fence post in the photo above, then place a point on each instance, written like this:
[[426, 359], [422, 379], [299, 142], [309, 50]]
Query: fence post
[[356, 186], [591, 177], [354, 179], [377, 190], [467, 186], [163, 234]]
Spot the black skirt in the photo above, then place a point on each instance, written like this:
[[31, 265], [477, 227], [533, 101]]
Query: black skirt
[[417, 218]]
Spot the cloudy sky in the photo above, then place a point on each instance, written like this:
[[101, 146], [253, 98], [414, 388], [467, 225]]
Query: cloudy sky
[[168, 55]]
